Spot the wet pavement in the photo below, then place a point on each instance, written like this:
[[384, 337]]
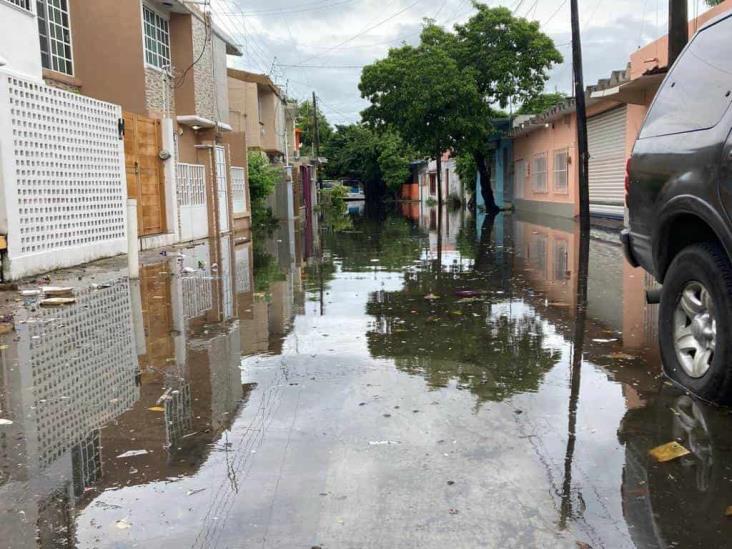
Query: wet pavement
[[377, 383]]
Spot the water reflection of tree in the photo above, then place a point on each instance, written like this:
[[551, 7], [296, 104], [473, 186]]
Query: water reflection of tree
[[481, 346], [394, 241], [266, 269]]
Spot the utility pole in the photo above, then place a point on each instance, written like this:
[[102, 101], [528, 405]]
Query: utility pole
[[316, 139], [678, 28], [582, 146]]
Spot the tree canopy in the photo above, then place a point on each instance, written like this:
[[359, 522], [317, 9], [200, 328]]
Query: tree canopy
[[444, 93]]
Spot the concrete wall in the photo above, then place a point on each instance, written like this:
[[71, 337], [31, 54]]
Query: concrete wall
[[19, 42], [655, 54], [244, 111], [108, 51]]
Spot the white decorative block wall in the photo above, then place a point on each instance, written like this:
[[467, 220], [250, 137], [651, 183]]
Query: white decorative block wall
[[81, 366], [64, 190]]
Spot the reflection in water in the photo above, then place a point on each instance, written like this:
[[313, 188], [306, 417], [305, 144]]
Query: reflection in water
[[403, 354]]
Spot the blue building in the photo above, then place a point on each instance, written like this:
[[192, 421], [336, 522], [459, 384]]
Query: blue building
[[501, 165]]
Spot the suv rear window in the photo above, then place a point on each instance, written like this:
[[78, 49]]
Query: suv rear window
[[697, 93]]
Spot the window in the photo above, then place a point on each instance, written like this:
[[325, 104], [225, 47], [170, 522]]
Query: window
[[561, 260], [539, 173], [55, 34], [696, 93], [157, 39], [24, 4], [520, 171], [560, 172]]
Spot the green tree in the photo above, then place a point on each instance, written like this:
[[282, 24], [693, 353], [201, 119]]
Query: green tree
[[713, 2], [541, 103], [305, 123], [422, 94], [509, 59], [379, 161], [263, 178], [394, 161]]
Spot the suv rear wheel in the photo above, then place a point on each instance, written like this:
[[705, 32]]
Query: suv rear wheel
[[696, 321]]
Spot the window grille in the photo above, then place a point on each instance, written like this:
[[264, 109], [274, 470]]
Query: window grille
[[157, 39], [560, 172], [23, 4], [55, 34], [238, 190], [539, 173]]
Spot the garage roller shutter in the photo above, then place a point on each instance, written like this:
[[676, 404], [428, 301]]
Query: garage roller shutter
[[606, 134]]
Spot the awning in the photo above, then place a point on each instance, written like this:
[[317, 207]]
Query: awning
[[197, 122], [633, 92]]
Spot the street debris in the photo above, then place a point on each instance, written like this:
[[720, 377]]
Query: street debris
[[57, 291], [196, 491], [57, 301], [132, 453], [30, 293], [728, 511], [382, 442], [123, 524], [156, 409], [5, 422], [668, 452], [431, 297], [5, 328]]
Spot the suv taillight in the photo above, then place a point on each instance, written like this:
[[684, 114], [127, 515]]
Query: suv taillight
[[627, 180]]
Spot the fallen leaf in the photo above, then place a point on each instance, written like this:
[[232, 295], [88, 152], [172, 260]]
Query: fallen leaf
[[728, 511], [156, 409], [123, 524], [431, 297], [5, 328], [668, 452]]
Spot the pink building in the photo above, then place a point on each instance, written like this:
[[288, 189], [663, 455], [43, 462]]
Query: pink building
[[545, 146]]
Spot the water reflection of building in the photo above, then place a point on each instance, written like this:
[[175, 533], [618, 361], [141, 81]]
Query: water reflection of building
[[546, 252], [274, 291], [66, 373]]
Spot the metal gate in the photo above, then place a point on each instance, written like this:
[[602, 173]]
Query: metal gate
[[222, 188], [606, 135]]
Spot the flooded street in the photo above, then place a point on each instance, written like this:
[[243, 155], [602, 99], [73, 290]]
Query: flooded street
[[375, 383]]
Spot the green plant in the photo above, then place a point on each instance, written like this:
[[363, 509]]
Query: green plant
[[431, 202], [263, 178], [454, 202]]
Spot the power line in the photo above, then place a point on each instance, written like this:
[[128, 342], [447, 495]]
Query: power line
[[364, 31]]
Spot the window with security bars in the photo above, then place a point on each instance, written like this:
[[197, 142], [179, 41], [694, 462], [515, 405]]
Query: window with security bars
[[538, 176], [54, 31], [24, 4], [560, 172], [157, 39]]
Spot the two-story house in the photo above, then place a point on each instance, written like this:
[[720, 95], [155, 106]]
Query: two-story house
[[164, 62]]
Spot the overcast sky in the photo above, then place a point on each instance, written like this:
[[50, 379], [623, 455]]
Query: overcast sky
[[320, 45]]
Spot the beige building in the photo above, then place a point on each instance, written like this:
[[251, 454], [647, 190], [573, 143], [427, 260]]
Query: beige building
[[164, 62]]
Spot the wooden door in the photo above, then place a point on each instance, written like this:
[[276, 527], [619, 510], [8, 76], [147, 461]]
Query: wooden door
[[144, 173]]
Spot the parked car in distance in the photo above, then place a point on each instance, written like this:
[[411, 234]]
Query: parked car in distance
[[679, 198]]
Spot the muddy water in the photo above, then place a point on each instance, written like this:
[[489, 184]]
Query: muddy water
[[384, 385]]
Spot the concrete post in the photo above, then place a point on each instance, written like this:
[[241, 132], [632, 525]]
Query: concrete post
[[133, 246]]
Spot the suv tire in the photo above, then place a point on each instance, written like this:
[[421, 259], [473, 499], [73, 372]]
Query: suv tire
[[698, 280]]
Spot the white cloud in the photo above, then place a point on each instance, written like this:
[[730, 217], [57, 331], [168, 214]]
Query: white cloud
[[288, 33]]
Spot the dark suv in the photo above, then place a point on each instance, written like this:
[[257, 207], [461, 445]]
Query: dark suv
[[679, 197]]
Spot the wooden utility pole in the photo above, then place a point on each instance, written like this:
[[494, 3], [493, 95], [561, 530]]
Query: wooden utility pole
[[678, 28], [316, 140], [582, 146]]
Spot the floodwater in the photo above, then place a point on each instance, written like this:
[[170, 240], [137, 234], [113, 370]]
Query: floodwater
[[376, 383]]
